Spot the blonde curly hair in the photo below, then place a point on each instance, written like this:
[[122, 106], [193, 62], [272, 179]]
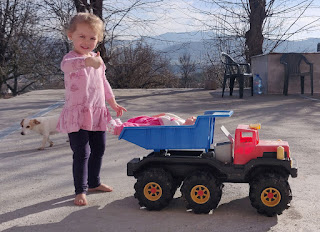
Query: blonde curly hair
[[92, 20]]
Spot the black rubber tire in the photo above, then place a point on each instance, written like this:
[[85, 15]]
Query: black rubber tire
[[279, 189], [155, 178], [211, 193]]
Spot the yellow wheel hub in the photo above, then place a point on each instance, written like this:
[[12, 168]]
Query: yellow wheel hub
[[270, 197], [200, 194], [152, 191]]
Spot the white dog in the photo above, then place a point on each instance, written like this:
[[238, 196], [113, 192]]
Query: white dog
[[44, 126]]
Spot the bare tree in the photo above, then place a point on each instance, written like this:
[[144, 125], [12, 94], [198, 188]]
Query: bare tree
[[254, 37], [20, 45], [139, 66], [187, 68], [55, 15], [256, 22]]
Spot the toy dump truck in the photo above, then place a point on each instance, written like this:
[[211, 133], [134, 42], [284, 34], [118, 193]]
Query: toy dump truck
[[186, 156]]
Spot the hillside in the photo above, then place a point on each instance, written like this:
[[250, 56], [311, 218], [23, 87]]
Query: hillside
[[199, 44]]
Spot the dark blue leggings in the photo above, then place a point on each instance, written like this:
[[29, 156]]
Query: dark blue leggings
[[88, 148]]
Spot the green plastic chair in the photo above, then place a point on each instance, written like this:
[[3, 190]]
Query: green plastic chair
[[292, 63], [233, 71]]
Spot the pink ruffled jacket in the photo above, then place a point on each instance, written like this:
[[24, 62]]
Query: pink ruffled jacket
[[87, 90]]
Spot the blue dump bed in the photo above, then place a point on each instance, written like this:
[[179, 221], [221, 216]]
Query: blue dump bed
[[197, 136]]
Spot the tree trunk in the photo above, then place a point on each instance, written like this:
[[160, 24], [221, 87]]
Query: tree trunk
[[96, 6], [82, 5], [254, 37]]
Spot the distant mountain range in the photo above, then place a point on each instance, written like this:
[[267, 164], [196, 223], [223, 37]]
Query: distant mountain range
[[200, 44]]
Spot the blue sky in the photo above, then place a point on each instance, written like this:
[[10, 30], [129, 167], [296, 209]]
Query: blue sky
[[186, 15]]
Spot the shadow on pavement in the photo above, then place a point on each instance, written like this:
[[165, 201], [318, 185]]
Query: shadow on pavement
[[37, 208], [125, 215]]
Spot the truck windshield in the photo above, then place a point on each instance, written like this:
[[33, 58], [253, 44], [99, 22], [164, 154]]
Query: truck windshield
[[246, 137]]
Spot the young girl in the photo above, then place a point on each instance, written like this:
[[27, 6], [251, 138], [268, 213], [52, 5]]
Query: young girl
[[85, 115]]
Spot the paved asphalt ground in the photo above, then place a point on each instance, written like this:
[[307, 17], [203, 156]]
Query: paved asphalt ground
[[37, 188]]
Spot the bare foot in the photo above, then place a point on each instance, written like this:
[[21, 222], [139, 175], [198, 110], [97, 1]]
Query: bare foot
[[80, 199], [102, 188]]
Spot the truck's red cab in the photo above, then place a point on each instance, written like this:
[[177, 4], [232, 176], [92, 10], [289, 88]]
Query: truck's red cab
[[247, 145]]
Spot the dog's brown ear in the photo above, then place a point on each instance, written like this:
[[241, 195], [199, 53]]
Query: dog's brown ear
[[35, 121], [21, 123]]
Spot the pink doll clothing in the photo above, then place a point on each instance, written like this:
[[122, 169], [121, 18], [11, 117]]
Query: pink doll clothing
[[136, 122], [115, 126], [87, 90]]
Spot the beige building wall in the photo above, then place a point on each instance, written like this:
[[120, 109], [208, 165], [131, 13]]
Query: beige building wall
[[271, 71]]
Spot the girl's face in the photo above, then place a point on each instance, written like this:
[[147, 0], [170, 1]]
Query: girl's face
[[84, 39]]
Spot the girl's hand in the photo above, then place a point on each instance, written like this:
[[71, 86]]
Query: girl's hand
[[94, 61], [116, 107], [119, 110]]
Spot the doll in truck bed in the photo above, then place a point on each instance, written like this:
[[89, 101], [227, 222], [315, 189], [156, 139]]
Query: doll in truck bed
[[115, 126]]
